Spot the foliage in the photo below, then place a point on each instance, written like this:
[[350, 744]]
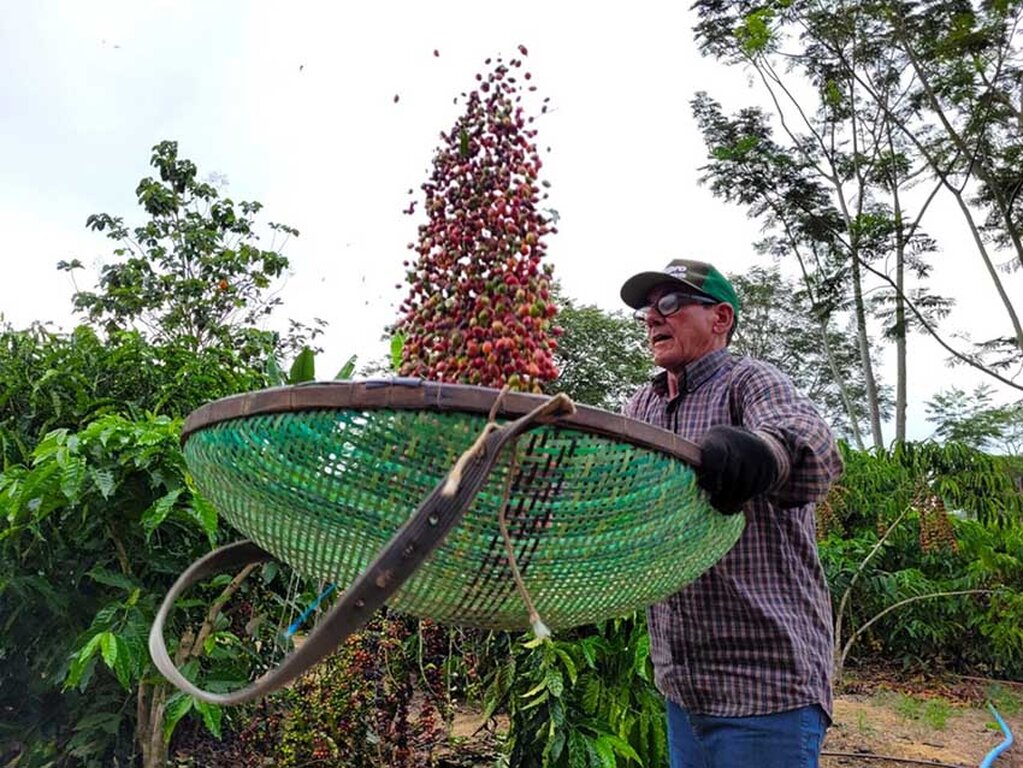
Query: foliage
[[602, 357], [51, 380], [377, 700], [779, 325], [959, 531], [973, 419], [92, 529], [96, 518], [194, 273], [478, 309], [588, 700]]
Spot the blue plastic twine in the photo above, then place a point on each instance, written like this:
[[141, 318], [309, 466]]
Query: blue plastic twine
[[297, 623]]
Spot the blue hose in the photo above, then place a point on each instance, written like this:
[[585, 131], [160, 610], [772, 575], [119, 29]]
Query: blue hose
[[994, 753]]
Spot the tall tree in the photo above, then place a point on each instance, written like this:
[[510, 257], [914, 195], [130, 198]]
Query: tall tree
[[194, 273], [779, 324], [602, 357], [899, 92], [788, 188]]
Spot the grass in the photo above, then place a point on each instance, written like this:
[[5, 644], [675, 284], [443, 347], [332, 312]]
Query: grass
[[863, 725], [934, 712], [1005, 699]]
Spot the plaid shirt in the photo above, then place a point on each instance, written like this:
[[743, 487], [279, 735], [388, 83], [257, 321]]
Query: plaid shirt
[[753, 635]]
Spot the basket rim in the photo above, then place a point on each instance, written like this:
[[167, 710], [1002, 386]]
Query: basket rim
[[413, 394]]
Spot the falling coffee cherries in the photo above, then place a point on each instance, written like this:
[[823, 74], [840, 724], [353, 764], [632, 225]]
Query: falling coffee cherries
[[478, 309]]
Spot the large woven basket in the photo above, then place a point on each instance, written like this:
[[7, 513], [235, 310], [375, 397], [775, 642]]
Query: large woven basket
[[602, 512]]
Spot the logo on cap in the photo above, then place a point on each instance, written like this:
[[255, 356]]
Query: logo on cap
[[677, 270]]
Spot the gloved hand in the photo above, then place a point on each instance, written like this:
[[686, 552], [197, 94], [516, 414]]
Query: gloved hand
[[736, 466]]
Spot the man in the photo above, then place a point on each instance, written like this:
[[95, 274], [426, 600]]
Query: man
[[744, 654]]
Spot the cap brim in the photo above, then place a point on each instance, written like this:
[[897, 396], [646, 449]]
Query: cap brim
[[638, 287]]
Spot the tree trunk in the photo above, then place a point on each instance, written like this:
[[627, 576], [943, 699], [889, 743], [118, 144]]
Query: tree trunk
[[900, 323], [864, 344], [152, 699], [854, 422]]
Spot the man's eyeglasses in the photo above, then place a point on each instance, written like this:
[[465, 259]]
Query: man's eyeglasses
[[670, 303]]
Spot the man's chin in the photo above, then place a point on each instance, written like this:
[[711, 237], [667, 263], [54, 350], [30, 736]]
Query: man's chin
[[668, 361]]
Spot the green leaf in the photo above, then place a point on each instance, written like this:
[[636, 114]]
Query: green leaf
[[50, 444], [577, 750], [535, 689], [72, 477], [555, 683], [347, 370], [605, 752], [211, 716], [397, 345], [178, 706], [554, 747], [535, 642], [641, 657], [111, 578], [568, 663], [108, 647], [536, 702], [620, 745], [90, 647], [158, 511], [105, 481], [304, 367], [270, 570], [205, 514], [274, 374], [591, 694]]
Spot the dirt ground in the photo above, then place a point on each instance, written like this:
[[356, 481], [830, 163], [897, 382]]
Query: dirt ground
[[929, 729], [931, 721]]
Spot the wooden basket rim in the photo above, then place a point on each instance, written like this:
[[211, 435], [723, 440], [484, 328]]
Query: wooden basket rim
[[412, 394]]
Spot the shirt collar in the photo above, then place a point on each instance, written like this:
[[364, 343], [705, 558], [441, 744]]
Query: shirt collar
[[693, 375]]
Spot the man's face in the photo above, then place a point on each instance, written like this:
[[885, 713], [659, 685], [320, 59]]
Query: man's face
[[687, 334]]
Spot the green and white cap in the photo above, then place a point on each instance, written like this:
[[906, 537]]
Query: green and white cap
[[697, 277]]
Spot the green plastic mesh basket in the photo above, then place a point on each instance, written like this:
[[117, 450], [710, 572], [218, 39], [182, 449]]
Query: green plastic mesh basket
[[600, 526], [602, 512]]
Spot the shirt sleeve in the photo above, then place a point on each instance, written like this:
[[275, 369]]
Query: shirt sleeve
[[769, 405]]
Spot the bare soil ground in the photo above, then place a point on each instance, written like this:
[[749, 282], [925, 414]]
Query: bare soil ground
[[918, 729]]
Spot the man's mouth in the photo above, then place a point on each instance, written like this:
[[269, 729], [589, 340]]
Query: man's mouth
[[659, 337]]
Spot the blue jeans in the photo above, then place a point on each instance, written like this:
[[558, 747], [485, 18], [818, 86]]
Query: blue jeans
[[784, 740]]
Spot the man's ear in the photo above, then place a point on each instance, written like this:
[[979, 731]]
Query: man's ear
[[724, 318]]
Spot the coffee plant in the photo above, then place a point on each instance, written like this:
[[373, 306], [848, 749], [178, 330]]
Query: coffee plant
[[378, 700], [479, 308]]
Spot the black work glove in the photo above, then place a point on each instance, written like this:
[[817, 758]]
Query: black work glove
[[736, 466]]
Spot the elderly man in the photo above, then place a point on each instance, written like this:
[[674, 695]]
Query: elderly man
[[744, 654]]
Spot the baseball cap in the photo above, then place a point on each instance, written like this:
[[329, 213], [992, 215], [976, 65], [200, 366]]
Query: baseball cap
[[697, 277]]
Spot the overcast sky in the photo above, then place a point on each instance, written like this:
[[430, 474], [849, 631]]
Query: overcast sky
[[294, 105]]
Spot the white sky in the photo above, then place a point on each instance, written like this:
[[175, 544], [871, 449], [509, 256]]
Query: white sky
[[88, 88]]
